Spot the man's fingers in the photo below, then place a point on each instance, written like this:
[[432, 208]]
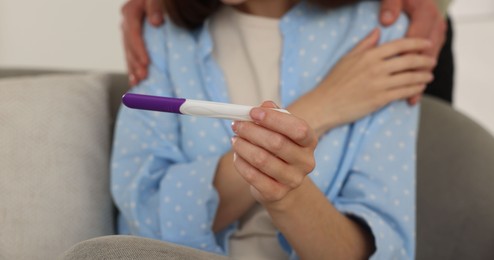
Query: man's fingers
[[390, 11], [438, 37], [154, 12], [136, 46], [132, 70], [133, 33], [132, 55], [135, 51], [422, 16]]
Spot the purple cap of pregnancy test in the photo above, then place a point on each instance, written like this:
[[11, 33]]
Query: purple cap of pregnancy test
[[154, 103]]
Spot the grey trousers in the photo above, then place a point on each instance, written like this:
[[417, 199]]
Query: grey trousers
[[131, 247]]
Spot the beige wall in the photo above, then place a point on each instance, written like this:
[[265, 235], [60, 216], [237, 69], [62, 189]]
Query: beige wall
[[474, 59], [71, 34], [468, 8], [85, 34]]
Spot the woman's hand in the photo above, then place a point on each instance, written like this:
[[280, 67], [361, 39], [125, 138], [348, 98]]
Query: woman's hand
[[274, 153], [426, 22], [134, 12], [365, 80]]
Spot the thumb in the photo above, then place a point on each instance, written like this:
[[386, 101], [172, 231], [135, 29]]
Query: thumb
[[368, 42], [390, 10]]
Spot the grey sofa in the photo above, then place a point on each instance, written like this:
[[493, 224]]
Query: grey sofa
[[455, 186]]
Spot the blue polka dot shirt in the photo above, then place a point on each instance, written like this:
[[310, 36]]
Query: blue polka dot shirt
[[163, 164]]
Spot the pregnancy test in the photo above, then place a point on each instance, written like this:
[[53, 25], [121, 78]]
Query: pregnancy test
[[190, 107]]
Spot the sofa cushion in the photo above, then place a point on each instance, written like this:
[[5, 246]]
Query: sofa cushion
[[54, 172]]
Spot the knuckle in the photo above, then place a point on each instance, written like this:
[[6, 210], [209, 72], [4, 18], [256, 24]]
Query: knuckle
[[296, 180], [310, 165], [301, 132], [276, 194], [277, 143], [260, 159], [249, 174]]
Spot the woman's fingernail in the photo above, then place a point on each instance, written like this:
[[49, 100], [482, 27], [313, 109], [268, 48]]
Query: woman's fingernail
[[233, 139], [235, 126], [234, 156], [257, 114]]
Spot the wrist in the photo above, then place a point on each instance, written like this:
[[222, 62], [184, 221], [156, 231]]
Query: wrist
[[327, 114], [315, 108], [290, 201]]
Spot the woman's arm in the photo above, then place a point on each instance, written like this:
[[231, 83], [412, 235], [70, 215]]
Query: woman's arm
[[365, 80], [316, 229], [234, 196], [274, 155]]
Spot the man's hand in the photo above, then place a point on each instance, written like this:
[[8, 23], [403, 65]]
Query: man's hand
[[425, 22], [134, 12]]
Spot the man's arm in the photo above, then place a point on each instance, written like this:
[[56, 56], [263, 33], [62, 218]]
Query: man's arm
[[422, 13], [134, 12]]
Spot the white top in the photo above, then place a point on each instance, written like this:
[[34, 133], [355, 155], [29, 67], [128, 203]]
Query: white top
[[248, 50]]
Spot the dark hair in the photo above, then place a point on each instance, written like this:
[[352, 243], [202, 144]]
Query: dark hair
[[191, 14]]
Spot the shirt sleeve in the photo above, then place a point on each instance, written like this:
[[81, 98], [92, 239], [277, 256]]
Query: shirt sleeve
[[160, 193], [380, 188]]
